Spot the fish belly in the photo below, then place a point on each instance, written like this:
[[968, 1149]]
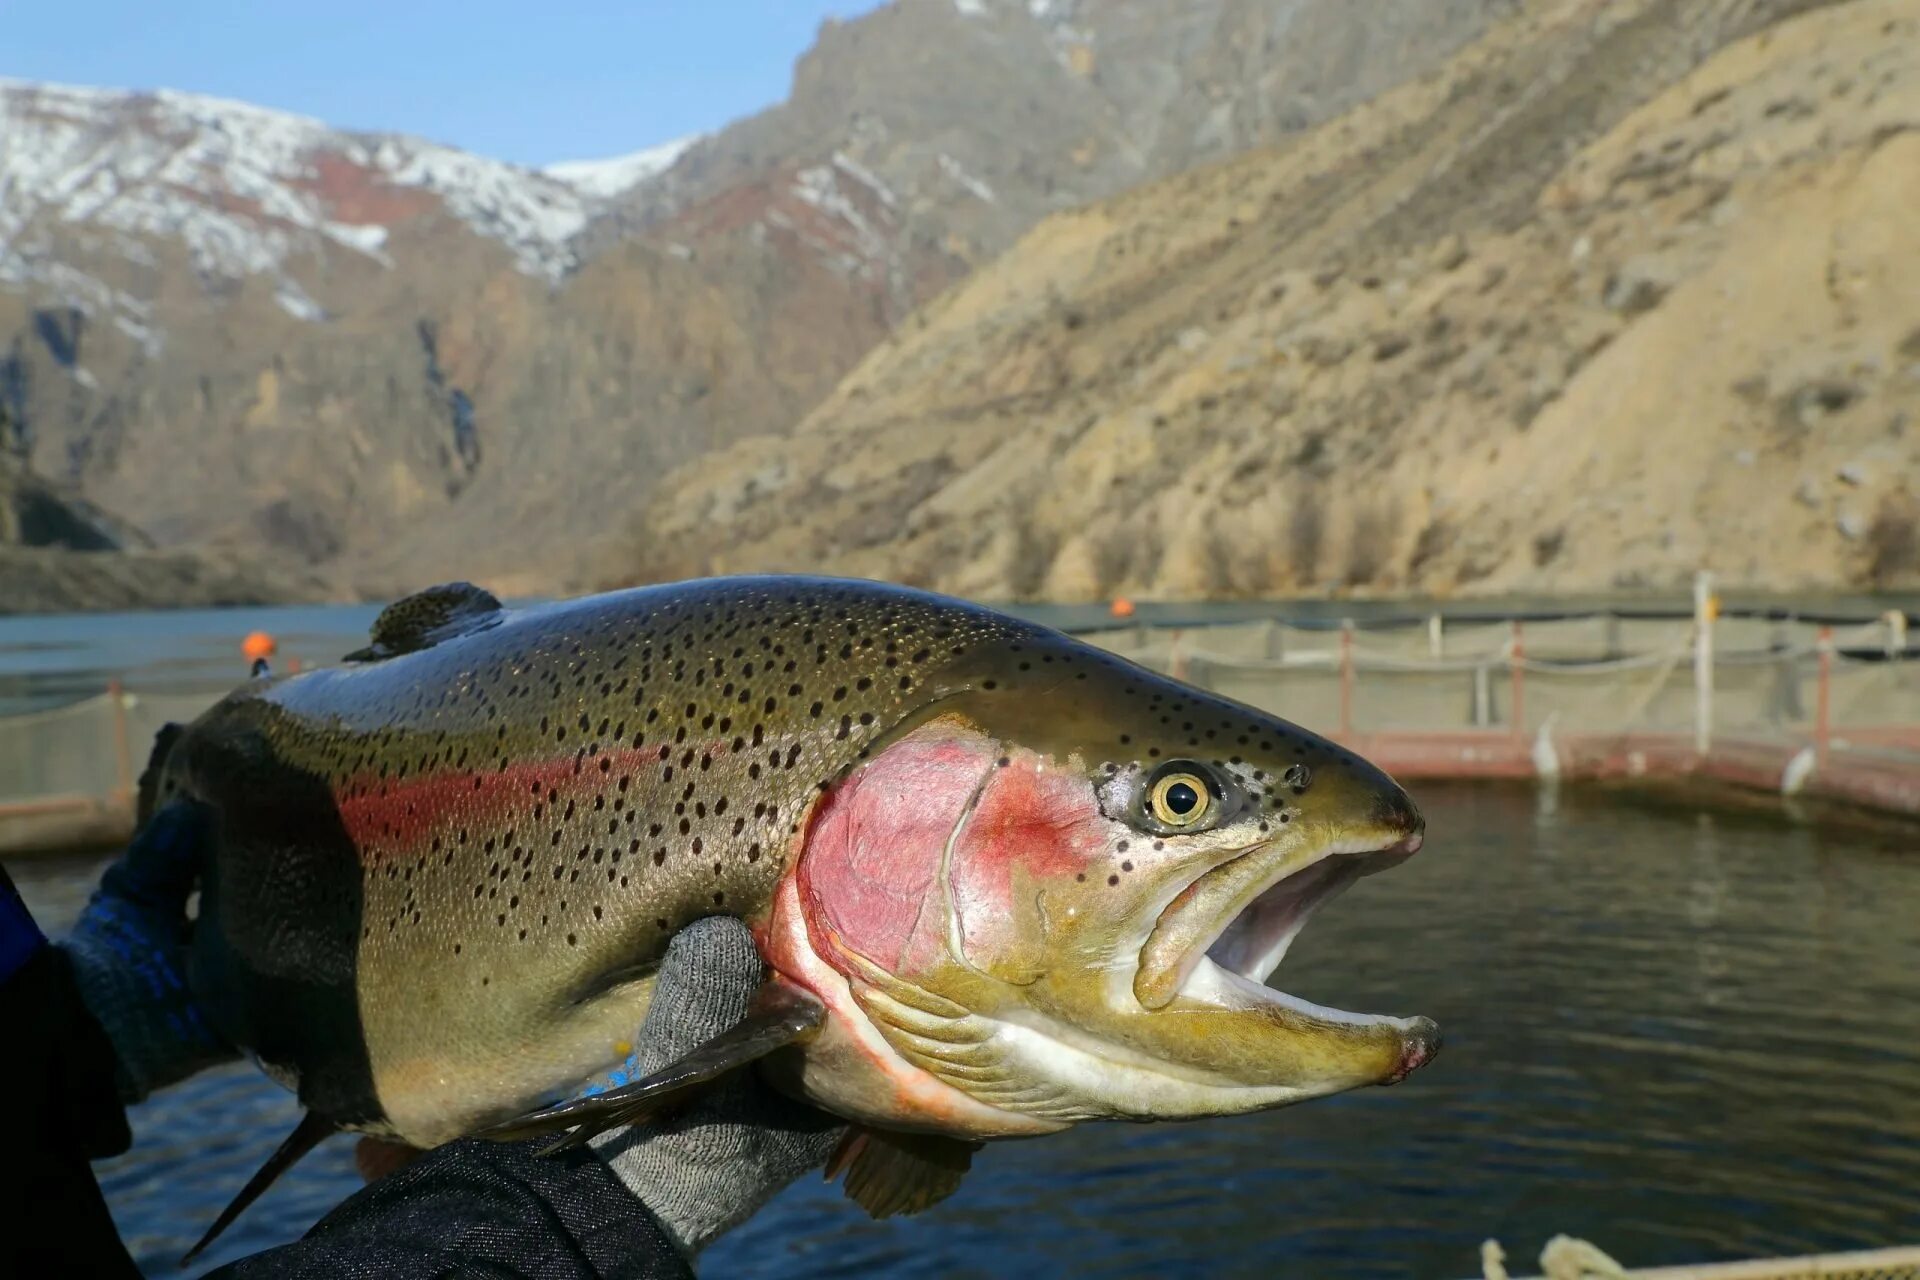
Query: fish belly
[[460, 1040], [372, 980]]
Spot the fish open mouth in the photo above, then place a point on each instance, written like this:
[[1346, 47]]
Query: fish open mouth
[[1227, 932]]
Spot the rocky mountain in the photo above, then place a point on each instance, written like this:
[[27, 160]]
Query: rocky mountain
[[33, 515], [395, 361], [971, 119], [1618, 291], [59, 554], [244, 192]]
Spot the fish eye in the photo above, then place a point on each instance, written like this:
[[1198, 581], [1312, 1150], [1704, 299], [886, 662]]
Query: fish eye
[[1180, 799]]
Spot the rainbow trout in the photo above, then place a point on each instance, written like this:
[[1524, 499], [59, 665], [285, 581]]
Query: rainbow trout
[[1003, 881]]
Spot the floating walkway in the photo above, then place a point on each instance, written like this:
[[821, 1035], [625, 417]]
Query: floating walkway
[[1880, 773]]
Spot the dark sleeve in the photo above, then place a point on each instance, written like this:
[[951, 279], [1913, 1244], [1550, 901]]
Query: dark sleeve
[[60, 1111], [474, 1208]]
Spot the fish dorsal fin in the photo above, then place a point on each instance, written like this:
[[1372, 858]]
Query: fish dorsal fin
[[425, 618], [305, 1137], [888, 1172]]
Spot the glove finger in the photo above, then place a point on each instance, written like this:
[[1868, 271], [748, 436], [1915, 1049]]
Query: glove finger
[[705, 984], [160, 868]]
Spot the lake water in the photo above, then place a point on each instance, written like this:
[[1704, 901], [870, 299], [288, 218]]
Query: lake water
[[1683, 1036]]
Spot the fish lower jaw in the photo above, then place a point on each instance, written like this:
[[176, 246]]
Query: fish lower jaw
[[1217, 987], [1100, 1080]]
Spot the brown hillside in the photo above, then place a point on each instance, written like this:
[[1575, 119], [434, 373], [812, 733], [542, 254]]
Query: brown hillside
[[1624, 290], [394, 362], [58, 554]]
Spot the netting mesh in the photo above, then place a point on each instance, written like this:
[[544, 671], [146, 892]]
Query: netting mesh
[[87, 748], [1773, 681], [1585, 675], [1598, 674]]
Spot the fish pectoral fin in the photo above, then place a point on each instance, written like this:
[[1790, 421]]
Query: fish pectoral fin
[[425, 618], [306, 1135], [889, 1172], [783, 1018]]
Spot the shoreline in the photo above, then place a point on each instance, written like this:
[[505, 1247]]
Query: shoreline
[[1852, 781], [1852, 785], [186, 579]]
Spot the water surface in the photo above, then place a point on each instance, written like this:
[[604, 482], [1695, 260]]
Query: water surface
[[1683, 1036]]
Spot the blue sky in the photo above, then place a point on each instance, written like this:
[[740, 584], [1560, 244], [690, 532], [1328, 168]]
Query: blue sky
[[528, 82]]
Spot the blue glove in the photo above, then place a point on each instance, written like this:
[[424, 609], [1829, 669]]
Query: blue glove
[[128, 951]]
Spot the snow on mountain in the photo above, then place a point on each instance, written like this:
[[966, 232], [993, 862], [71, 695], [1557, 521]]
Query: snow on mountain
[[243, 189], [853, 213], [604, 179]]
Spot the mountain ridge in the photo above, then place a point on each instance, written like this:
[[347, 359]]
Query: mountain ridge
[[1437, 344], [616, 175], [368, 355]]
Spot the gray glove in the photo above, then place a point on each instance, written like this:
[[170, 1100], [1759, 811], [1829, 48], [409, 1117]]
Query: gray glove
[[705, 1169], [129, 956]]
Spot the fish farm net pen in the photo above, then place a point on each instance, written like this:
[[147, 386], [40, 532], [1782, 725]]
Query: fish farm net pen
[[1763, 700], [1329, 617]]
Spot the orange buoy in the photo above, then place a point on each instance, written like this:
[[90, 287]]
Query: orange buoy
[[1122, 608], [257, 646]]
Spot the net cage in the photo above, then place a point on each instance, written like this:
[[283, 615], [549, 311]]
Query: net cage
[[1853, 687], [93, 747], [1849, 689]]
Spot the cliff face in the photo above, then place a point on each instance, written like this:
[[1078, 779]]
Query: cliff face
[[1618, 292], [60, 554], [396, 361], [981, 116]]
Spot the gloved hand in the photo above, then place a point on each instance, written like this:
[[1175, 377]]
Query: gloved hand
[[706, 1168], [128, 952]]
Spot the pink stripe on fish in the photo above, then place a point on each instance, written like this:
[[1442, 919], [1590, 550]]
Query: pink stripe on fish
[[388, 817]]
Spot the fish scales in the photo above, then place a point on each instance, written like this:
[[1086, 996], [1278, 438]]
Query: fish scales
[[568, 788], [445, 873]]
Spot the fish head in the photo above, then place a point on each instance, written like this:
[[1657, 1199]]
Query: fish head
[[1059, 893]]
